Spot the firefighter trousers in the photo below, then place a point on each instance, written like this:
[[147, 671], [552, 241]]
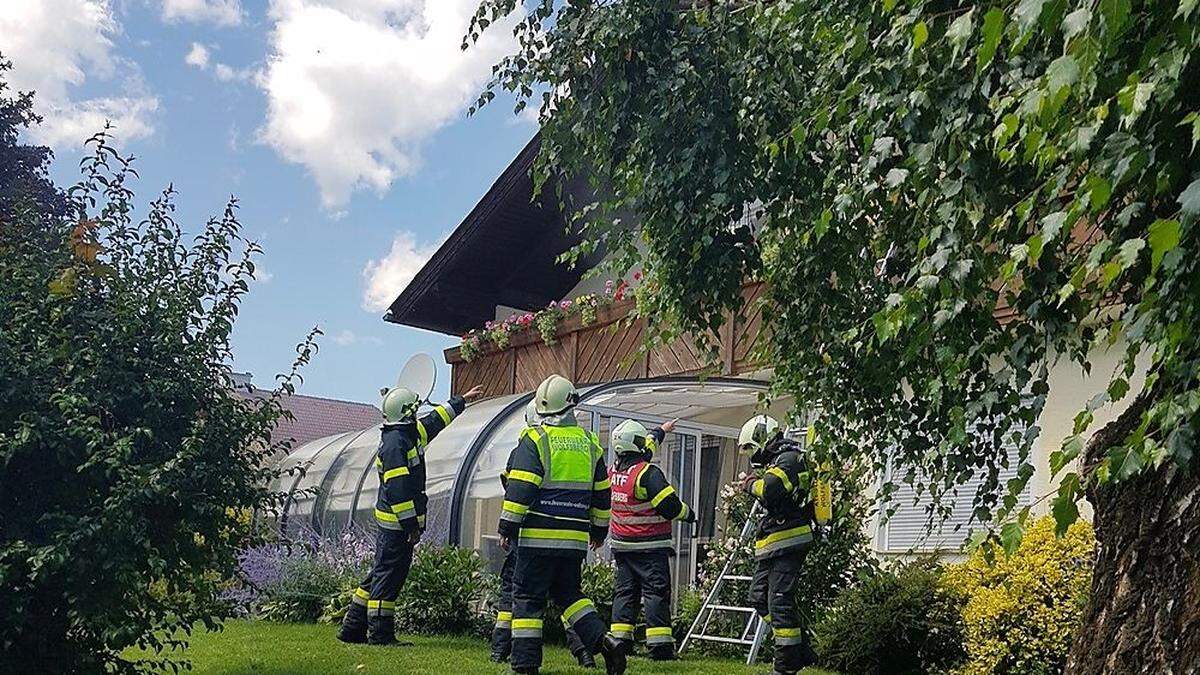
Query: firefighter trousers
[[502, 633], [773, 594], [371, 615], [537, 577], [644, 578]]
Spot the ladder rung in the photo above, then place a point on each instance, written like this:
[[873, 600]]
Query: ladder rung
[[732, 608], [737, 577], [720, 638]]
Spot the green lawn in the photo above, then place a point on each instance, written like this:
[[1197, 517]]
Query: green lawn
[[295, 649]]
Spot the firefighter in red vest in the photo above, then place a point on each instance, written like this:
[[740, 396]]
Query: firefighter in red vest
[[783, 538], [643, 506]]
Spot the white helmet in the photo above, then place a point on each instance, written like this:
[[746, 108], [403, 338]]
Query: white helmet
[[631, 438], [399, 404], [757, 432], [532, 419], [555, 396]]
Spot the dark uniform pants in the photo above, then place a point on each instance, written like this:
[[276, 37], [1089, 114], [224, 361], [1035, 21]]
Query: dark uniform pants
[[373, 606], [773, 595], [645, 575], [502, 633], [537, 576]]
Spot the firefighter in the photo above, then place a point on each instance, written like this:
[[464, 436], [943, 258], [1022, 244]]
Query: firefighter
[[783, 537], [643, 506], [555, 504], [399, 510], [502, 633]]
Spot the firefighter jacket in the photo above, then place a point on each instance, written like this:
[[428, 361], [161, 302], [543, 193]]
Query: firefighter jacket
[[400, 463], [556, 497], [783, 491], [643, 504]]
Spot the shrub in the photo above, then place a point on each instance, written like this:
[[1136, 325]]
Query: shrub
[[445, 591], [127, 458], [900, 620], [1022, 610], [294, 580]]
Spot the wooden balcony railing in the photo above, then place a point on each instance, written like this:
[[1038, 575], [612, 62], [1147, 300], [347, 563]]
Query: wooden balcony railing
[[608, 349]]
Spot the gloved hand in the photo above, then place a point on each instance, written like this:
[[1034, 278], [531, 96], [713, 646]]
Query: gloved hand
[[748, 483]]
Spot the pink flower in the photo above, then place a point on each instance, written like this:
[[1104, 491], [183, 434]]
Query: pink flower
[[511, 318], [608, 286], [637, 276], [565, 304], [489, 325], [553, 304]]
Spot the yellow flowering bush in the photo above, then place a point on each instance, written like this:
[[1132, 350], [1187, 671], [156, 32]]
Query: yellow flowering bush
[[1021, 611]]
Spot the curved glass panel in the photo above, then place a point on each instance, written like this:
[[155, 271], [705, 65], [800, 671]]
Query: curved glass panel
[[484, 493], [298, 466], [304, 495], [444, 458], [335, 498]]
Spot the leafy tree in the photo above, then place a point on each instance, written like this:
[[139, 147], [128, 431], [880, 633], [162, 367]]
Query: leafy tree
[[24, 169], [130, 468], [947, 199]]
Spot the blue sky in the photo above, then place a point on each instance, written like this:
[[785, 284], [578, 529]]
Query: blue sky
[[339, 124]]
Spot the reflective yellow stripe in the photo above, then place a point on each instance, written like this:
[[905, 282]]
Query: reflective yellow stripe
[[783, 477], [514, 507], [756, 488], [518, 624], [602, 485], [786, 632], [399, 471], [652, 632], [504, 616], [621, 628], [578, 606], [378, 462], [683, 512], [441, 411], [423, 434], [776, 537], [603, 514], [385, 516], [538, 533], [412, 454], [532, 433], [381, 604], [666, 492], [527, 476], [362, 593], [403, 506]]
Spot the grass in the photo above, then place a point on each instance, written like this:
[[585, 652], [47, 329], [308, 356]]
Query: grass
[[298, 649]]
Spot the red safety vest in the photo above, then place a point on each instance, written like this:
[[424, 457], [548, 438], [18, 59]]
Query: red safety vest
[[635, 526]]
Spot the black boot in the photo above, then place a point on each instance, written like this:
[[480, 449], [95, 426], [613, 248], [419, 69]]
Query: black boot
[[354, 625], [381, 630], [501, 645], [585, 659], [613, 651]]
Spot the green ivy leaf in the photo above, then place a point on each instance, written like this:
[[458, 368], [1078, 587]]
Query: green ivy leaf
[[1027, 13], [1065, 511], [1163, 236], [1076, 22], [960, 30], [920, 34], [993, 25], [1062, 72], [1189, 201], [1052, 225], [1115, 13], [1010, 537], [1128, 253], [1099, 191]]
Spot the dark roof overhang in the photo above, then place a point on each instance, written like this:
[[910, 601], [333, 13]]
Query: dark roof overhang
[[503, 253]]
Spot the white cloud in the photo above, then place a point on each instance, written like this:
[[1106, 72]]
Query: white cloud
[[198, 56], [57, 46], [385, 278], [355, 86], [220, 12], [226, 73], [345, 338]]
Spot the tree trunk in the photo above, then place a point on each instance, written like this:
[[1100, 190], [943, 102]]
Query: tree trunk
[[1143, 615]]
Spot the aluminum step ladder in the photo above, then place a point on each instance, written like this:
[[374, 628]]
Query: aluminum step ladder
[[754, 630]]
